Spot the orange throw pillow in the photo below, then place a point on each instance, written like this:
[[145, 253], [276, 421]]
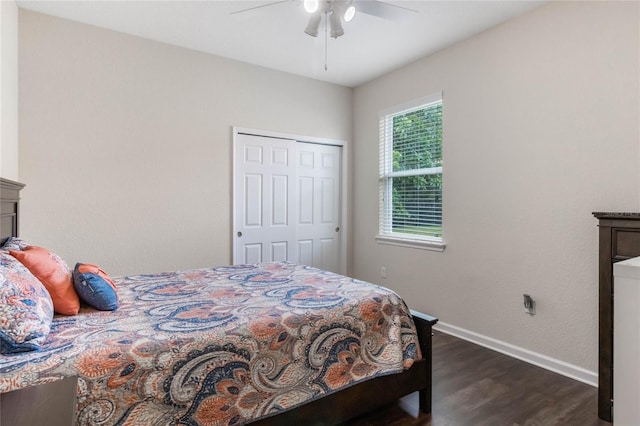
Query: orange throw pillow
[[54, 274]]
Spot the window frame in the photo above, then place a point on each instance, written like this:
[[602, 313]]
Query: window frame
[[385, 234]]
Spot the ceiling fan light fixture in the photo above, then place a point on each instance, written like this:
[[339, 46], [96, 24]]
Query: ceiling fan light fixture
[[336, 25], [314, 24], [349, 13], [311, 5]]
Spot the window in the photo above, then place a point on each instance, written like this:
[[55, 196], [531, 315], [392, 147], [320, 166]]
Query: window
[[411, 174]]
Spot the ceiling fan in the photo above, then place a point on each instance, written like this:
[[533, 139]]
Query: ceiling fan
[[338, 11]]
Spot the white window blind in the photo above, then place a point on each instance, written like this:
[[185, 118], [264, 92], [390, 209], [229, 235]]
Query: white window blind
[[411, 171]]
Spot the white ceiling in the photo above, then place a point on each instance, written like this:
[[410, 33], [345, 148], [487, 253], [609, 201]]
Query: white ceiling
[[274, 37]]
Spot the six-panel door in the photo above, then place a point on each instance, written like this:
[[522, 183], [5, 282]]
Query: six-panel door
[[287, 201]]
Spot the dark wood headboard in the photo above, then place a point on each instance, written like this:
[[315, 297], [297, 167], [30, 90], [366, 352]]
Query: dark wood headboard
[[9, 208]]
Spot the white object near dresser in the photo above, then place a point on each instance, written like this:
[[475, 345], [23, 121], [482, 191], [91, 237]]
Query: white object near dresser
[[626, 353]]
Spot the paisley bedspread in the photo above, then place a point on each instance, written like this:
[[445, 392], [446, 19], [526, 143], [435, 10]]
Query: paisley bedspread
[[221, 346]]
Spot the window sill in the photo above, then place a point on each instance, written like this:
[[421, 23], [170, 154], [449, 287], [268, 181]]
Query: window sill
[[412, 243]]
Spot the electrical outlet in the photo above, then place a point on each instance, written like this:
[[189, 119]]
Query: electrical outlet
[[529, 304], [383, 271]]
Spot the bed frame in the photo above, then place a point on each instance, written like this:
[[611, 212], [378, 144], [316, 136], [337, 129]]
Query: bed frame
[[332, 409], [9, 205]]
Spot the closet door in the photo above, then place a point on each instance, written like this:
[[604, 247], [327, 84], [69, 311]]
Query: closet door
[[287, 202], [264, 199], [318, 196]]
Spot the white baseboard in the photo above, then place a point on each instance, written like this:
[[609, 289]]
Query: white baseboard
[[557, 366]]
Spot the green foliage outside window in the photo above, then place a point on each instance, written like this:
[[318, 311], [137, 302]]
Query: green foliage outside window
[[417, 198]]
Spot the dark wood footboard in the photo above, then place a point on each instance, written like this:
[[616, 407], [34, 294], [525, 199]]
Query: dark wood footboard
[[367, 396], [424, 324]]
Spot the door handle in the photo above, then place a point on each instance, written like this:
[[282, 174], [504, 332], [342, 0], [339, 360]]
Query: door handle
[[337, 229], [239, 234]]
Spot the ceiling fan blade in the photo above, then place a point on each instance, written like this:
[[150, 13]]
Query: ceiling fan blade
[[258, 7], [384, 10]]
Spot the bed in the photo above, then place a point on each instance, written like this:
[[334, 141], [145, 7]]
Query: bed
[[272, 343]]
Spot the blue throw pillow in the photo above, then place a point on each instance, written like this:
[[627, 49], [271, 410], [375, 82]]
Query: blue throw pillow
[[95, 287]]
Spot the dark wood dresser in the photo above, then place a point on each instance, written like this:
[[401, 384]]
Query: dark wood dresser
[[619, 240]]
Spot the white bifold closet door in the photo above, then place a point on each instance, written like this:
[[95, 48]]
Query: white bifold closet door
[[287, 201]]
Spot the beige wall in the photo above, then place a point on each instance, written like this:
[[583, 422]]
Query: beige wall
[[541, 125], [125, 143], [9, 89], [125, 148]]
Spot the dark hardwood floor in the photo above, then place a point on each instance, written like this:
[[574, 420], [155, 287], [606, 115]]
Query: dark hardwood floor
[[476, 386]]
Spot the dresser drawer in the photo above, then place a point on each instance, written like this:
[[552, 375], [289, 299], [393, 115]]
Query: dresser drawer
[[625, 243]]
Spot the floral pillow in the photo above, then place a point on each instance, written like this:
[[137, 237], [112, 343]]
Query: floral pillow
[[26, 309], [14, 243]]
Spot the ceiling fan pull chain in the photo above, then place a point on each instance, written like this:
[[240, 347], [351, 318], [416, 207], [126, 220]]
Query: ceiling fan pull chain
[[326, 38]]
